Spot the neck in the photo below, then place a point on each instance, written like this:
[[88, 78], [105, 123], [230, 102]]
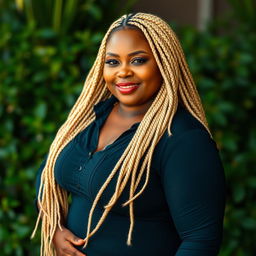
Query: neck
[[128, 111]]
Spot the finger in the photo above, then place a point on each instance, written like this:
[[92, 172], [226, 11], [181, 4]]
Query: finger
[[77, 241], [74, 239]]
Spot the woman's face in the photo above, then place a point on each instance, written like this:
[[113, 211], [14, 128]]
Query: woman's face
[[130, 70]]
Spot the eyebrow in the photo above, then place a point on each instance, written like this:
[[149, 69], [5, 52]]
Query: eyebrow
[[130, 54]]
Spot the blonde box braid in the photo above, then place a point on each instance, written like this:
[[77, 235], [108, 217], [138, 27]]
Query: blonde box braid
[[177, 85]]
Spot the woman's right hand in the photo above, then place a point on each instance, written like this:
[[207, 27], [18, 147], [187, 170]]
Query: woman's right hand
[[64, 242]]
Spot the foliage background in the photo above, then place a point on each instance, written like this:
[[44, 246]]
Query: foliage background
[[46, 51]]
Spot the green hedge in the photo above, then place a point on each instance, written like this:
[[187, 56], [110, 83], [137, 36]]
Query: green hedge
[[42, 74]]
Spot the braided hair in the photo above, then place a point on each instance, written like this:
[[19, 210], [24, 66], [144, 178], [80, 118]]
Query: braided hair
[[177, 86]]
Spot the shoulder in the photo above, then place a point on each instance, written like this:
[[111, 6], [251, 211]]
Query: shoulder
[[187, 133], [183, 123]]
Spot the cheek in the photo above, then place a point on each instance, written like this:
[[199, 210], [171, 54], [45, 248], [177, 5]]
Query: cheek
[[153, 76], [108, 78], [107, 75], [149, 72], [152, 79], [157, 77], [145, 73]]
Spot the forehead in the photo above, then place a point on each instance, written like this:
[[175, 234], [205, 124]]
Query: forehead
[[127, 39]]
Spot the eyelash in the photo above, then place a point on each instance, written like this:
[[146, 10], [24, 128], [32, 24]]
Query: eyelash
[[142, 61]]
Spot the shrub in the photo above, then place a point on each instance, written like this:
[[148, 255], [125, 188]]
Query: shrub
[[42, 70]]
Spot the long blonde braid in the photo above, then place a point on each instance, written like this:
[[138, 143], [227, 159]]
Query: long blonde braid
[[177, 85]]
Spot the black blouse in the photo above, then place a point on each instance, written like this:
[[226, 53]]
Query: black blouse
[[179, 213]]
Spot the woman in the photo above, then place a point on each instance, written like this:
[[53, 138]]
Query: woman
[[135, 155]]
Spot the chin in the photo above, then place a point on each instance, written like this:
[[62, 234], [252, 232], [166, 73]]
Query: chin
[[131, 102]]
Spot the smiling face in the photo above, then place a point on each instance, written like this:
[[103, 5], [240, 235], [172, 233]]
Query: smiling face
[[130, 71]]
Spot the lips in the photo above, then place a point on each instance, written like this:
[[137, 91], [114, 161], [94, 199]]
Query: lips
[[126, 84], [127, 88]]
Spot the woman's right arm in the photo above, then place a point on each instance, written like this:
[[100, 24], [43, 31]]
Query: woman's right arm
[[63, 240], [38, 181]]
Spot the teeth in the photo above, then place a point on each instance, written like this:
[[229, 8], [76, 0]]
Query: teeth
[[129, 86]]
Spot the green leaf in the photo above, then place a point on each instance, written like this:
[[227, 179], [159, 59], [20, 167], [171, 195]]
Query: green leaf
[[239, 194], [249, 223], [40, 110]]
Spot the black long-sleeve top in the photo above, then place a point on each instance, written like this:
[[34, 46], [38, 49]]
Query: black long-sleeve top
[[179, 213]]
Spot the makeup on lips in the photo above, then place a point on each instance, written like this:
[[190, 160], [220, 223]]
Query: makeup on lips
[[127, 88]]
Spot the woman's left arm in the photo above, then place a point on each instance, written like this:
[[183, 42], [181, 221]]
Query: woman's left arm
[[194, 184]]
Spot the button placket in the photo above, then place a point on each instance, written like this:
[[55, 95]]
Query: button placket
[[82, 166], [83, 173], [77, 174], [84, 162]]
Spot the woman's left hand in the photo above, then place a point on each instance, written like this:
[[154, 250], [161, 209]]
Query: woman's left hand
[[64, 242]]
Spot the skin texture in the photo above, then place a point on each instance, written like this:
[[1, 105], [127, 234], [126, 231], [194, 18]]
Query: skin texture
[[64, 242], [121, 68], [128, 59], [138, 68]]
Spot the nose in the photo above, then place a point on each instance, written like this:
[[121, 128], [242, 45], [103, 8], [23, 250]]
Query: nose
[[124, 71]]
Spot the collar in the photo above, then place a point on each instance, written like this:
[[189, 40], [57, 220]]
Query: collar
[[102, 106]]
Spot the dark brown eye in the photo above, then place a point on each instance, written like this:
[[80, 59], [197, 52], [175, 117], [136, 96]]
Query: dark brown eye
[[111, 62], [139, 61]]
